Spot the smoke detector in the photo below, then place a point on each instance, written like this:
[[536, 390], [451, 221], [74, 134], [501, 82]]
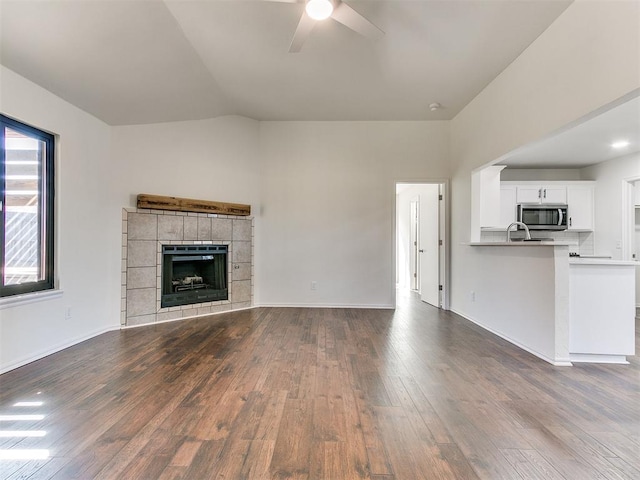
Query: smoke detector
[[435, 106]]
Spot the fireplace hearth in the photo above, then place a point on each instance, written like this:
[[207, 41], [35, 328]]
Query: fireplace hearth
[[193, 274]]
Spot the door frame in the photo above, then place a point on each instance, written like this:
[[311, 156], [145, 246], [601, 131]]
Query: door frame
[[628, 216], [445, 235], [428, 242]]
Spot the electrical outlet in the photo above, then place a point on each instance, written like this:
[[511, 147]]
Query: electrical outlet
[[473, 296], [67, 313], [314, 285]]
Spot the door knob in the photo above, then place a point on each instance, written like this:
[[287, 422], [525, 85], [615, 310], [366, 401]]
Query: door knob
[[421, 251]]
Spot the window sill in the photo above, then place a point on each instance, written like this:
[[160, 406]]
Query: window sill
[[27, 298]]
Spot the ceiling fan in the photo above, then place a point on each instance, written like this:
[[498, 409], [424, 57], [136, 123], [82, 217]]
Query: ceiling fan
[[318, 10]]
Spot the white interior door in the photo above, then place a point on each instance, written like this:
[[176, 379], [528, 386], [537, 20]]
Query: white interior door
[[413, 248], [428, 240], [636, 239]]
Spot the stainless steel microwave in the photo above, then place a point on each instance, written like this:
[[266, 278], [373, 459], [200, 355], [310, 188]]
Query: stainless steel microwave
[[543, 217]]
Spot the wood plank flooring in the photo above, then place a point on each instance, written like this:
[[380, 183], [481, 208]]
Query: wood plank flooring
[[275, 393]]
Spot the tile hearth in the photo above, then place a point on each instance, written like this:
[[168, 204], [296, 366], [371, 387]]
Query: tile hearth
[[144, 232]]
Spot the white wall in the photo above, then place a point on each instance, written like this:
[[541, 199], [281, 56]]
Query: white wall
[[609, 177], [328, 206], [87, 226], [608, 233], [215, 159], [528, 319], [535, 174], [587, 58], [322, 193]]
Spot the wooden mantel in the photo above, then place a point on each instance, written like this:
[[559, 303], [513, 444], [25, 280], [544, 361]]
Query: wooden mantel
[[159, 202]]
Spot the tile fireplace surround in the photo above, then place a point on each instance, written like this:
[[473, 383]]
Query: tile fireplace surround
[[144, 232]]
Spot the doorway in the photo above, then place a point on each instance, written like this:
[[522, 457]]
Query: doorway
[[636, 238], [420, 241], [631, 226]]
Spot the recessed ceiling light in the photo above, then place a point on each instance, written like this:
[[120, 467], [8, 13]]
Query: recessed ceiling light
[[620, 144], [435, 106]]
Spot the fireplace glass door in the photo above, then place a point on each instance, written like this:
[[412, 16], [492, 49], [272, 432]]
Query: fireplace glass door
[[193, 274]]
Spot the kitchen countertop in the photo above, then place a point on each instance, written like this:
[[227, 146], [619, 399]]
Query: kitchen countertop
[[550, 243], [572, 260], [601, 261]]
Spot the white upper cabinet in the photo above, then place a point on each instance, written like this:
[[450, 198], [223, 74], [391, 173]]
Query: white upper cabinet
[[486, 186], [541, 194], [580, 200], [578, 195], [554, 194], [508, 205]]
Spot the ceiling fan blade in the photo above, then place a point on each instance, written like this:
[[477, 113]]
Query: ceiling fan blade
[[302, 32], [347, 16]]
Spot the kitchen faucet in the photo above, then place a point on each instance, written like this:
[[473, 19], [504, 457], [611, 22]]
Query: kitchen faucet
[[527, 234]]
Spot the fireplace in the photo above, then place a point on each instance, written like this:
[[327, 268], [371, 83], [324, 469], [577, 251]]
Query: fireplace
[[193, 274]]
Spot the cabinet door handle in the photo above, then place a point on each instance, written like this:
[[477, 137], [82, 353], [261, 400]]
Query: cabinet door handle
[[539, 193], [545, 193], [570, 221]]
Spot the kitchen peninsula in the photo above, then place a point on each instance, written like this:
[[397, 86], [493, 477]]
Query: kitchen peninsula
[[558, 308]]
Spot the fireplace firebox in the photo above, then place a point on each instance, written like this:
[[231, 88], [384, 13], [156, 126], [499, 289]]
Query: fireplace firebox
[[193, 274]]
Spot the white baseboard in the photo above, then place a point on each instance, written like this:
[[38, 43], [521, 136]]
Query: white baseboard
[[597, 358], [313, 305], [56, 348], [557, 362]]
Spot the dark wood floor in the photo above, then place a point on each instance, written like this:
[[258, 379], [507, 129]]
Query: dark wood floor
[[320, 394]]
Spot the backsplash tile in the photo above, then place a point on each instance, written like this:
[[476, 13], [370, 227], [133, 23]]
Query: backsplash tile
[[579, 242]]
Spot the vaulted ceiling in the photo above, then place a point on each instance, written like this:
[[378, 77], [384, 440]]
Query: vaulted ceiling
[[147, 61], [587, 141]]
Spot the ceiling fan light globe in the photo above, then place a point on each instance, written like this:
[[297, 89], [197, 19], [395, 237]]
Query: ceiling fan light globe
[[319, 9]]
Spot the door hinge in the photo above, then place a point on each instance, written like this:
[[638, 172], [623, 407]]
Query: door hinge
[[440, 287], [440, 242], [439, 197], [415, 275]]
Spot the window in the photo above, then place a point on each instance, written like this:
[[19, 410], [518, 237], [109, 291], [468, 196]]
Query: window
[[26, 196]]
